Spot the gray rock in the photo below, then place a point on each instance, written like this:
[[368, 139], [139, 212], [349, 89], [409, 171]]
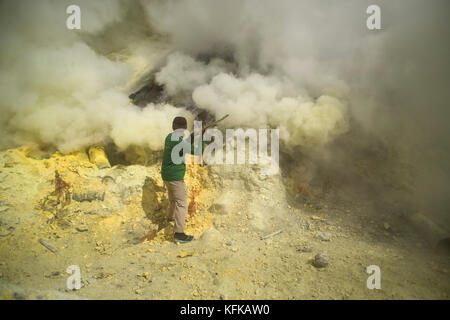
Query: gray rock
[[88, 196], [320, 260], [211, 236], [53, 274]]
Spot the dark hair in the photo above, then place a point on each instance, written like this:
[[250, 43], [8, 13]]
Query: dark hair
[[179, 123]]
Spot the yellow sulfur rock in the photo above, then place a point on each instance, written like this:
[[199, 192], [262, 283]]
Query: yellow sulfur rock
[[184, 254], [146, 276], [98, 157]]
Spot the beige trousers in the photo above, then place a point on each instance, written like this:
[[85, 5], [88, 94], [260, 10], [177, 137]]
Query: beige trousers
[[178, 203]]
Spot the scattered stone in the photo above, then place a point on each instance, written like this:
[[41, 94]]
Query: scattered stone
[[320, 260], [146, 276], [53, 274], [47, 245], [184, 254], [81, 229], [195, 293], [271, 234], [103, 275], [304, 250], [88, 196], [324, 236], [229, 243], [212, 236]]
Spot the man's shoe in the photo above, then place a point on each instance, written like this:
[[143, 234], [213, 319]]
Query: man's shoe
[[182, 238]]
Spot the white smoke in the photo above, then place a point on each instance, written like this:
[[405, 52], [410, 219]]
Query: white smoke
[[260, 101], [69, 89], [257, 100], [266, 64], [182, 73], [57, 90]]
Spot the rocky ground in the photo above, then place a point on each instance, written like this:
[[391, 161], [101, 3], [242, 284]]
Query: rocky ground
[[111, 222]]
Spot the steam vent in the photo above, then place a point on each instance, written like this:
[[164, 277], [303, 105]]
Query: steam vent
[[322, 171]]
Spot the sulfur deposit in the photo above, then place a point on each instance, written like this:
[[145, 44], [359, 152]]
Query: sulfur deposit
[[60, 209], [77, 192], [98, 157]]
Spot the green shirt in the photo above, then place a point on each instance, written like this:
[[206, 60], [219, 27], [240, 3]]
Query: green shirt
[[169, 170]]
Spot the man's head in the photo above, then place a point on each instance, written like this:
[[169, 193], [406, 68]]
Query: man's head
[[179, 123]]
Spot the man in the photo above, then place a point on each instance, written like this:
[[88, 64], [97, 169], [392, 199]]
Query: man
[[173, 177]]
